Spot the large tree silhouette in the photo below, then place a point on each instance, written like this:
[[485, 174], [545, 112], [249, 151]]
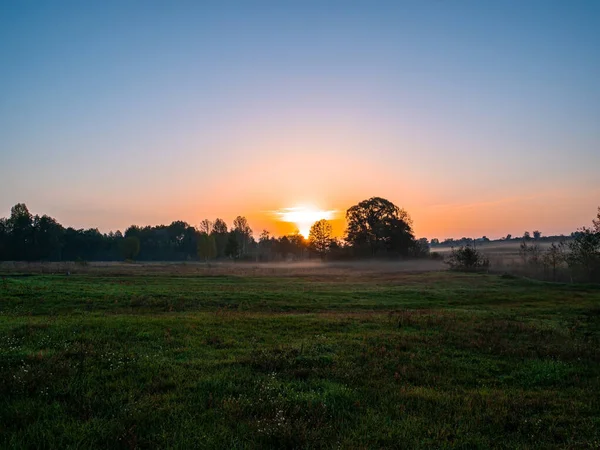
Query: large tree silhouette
[[377, 225]]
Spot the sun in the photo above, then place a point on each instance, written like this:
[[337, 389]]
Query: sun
[[304, 217]]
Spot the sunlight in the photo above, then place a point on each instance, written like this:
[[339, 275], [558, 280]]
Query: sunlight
[[303, 217]]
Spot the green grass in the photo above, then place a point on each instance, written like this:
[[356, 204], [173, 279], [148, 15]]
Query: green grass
[[311, 361]]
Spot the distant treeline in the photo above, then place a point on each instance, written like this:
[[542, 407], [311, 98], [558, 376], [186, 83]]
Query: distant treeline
[[527, 236], [375, 228]]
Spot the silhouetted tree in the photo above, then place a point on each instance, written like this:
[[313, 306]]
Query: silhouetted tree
[[243, 234], [537, 235], [379, 225], [284, 247], [420, 248], [298, 244], [219, 227], [20, 226], [48, 237], [219, 231], [265, 245], [319, 237], [232, 246], [596, 222], [206, 226]]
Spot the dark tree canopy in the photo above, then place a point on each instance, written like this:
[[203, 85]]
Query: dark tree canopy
[[377, 226], [130, 247]]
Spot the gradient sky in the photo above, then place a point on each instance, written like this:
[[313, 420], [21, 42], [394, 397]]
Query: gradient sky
[[478, 117]]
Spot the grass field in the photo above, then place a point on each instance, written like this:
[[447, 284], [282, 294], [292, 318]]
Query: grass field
[[315, 358]]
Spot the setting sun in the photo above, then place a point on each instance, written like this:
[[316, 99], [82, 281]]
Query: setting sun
[[303, 217]]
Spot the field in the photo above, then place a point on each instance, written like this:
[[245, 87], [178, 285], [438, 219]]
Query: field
[[313, 356]]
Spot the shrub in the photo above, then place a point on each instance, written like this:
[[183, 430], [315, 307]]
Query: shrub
[[467, 258], [437, 256]]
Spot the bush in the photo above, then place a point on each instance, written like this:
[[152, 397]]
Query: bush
[[436, 256], [467, 258]]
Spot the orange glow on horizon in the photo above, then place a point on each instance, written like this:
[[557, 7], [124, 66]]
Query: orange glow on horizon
[[303, 217]]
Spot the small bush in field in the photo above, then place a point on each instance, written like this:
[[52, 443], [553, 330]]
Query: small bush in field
[[467, 258], [436, 256]]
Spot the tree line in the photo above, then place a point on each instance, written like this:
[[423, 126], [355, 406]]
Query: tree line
[[375, 228]]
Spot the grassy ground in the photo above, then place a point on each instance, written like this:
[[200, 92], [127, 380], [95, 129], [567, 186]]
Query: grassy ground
[[349, 359]]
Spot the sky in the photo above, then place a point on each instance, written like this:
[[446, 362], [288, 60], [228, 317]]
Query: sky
[[477, 117]]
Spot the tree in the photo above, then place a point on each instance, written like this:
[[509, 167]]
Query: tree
[[264, 237], [554, 257], [467, 258], [219, 227], [207, 246], [264, 245], [584, 256], [130, 247], [378, 225], [133, 230], [232, 246], [219, 231], [319, 237], [4, 239], [537, 235], [206, 226], [508, 237], [243, 233], [284, 246], [526, 236], [420, 248], [20, 227], [298, 244], [48, 237], [596, 222]]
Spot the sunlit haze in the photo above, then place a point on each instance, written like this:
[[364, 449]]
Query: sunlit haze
[[303, 217], [477, 117]]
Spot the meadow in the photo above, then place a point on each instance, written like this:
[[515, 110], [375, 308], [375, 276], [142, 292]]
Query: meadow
[[295, 356]]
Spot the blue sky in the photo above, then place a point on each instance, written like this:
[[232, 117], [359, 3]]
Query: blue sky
[[478, 117]]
